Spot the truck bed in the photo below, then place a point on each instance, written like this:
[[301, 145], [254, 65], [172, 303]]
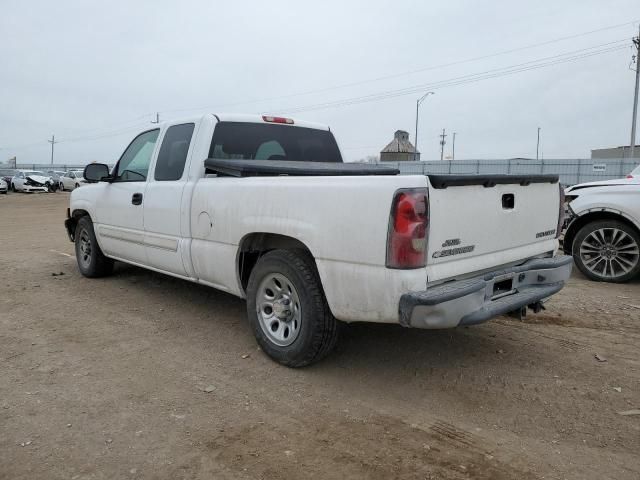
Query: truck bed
[[270, 168]]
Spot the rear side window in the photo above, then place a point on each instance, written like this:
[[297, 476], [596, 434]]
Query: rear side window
[[173, 152], [258, 141]]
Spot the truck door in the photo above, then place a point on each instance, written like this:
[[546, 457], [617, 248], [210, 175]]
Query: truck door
[[166, 213], [119, 206]]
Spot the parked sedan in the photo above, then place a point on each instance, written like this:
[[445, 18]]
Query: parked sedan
[[30, 181], [71, 180], [56, 176], [3, 186], [7, 174]]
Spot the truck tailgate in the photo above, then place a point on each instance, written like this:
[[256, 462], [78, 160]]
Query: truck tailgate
[[482, 222]]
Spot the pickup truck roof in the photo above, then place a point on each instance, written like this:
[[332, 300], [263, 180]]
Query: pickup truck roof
[[247, 118]]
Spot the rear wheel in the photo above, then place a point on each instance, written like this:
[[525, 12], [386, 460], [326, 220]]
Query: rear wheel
[[61, 187], [287, 309], [91, 261], [607, 251]]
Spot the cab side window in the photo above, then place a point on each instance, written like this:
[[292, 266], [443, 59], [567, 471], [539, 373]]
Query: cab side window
[[133, 165], [173, 152]]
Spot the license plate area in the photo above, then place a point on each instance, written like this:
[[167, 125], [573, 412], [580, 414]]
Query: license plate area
[[502, 286]]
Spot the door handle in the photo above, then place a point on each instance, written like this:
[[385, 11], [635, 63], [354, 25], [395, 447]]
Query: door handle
[[136, 199]]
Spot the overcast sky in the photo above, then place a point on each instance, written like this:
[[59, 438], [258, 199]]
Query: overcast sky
[[82, 70]]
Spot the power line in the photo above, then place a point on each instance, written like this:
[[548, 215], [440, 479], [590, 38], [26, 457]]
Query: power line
[[385, 94], [408, 72], [465, 79]]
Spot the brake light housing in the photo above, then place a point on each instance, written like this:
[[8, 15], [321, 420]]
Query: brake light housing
[[270, 119], [408, 229]]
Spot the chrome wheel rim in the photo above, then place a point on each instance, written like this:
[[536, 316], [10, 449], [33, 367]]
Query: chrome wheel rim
[[278, 309], [609, 252], [85, 248]]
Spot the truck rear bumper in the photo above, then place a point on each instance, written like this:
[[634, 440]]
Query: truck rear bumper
[[476, 300]]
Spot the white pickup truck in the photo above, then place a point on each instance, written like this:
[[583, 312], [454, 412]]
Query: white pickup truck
[[264, 208]]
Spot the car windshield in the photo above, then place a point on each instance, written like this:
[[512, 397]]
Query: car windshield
[[78, 172], [636, 171], [262, 141], [35, 173]]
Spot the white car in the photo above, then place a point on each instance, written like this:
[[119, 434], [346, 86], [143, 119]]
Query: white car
[[3, 186], [30, 181], [264, 208], [71, 180], [603, 232]]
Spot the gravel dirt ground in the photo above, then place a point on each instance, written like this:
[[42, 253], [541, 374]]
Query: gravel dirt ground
[[140, 375]]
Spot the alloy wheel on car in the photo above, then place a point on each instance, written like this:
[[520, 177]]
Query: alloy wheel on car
[[609, 253]]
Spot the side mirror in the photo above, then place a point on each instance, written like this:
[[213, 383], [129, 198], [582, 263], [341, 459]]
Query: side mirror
[[96, 172]]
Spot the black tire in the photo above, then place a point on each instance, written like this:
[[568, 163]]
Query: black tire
[[13, 188], [61, 187], [318, 329], [77, 185], [587, 261], [91, 263]]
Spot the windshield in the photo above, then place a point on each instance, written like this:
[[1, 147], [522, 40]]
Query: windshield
[[35, 173], [636, 171], [258, 141]]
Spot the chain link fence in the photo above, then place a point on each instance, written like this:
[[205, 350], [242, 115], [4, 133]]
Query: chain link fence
[[570, 170]]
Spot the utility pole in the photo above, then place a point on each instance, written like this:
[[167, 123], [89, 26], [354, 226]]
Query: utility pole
[[157, 120], [52, 142], [636, 42], [442, 144], [538, 145], [418, 102], [453, 149]]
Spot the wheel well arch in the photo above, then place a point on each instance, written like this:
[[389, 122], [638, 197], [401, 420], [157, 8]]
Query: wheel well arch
[[74, 216], [595, 215], [254, 245]]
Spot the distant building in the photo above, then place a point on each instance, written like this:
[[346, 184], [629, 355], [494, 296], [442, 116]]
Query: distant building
[[615, 152], [399, 149]]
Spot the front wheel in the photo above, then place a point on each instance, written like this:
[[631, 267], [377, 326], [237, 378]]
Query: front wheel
[[607, 251], [288, 311], [91, 261]]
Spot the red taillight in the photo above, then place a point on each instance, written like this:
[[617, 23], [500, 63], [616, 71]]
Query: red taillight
[[629, 176], [560, 212], [408, 229], [270, 119]]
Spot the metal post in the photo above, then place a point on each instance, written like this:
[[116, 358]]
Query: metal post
[[538, 145], [453, 147], [52, 142], [442, 143], [632, 145]]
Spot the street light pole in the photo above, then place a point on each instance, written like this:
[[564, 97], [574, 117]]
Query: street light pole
[[418, 102], [538, 145]]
